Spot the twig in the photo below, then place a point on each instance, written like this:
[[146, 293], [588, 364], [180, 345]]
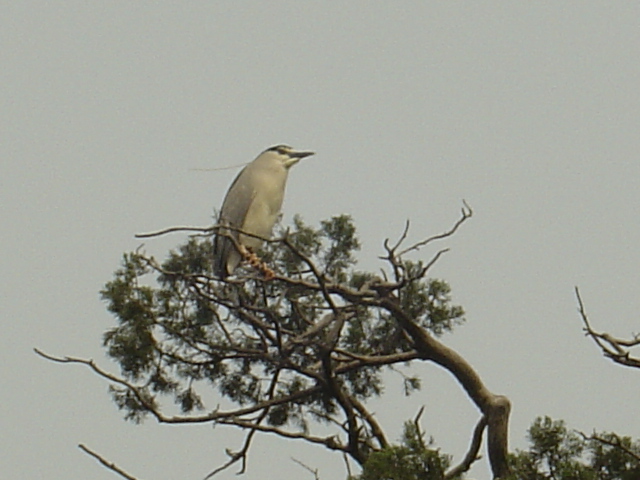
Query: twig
[[208, 230], [306, 467], [416, 424], [242, 454], [102, 373], [466, 214], [400, 241], [218, 169], [111, 466], [432, 262]]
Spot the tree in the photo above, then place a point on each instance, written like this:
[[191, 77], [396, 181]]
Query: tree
[[285, 354], [559, 454]]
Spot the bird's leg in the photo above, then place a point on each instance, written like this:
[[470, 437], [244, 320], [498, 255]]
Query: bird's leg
[[268, 273], [256, 263]]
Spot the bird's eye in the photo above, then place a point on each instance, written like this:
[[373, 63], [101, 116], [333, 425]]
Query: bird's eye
[[281, 149]]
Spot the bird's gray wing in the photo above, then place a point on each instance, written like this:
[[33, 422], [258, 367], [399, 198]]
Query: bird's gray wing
[[239, 198], [234, 210]]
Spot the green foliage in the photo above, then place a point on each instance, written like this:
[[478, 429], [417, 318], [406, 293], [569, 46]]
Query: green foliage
[[413, 459], [612, 460], [181, 333], [558, 454], [429, 301]]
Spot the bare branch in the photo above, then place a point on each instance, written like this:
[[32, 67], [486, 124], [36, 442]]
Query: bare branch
[[111, 466], [400, 241], [234, 457], [245, 449], [213, 416], [91, 364], [472, 455], [205, 230], [416, 424], [465, 215], [347, 466], [330, 442], [432, 262], [611, 347], [306, 467]]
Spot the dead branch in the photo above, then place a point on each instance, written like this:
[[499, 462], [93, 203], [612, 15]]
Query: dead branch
[[611, 347], [467, 212], [314, 472], [159, 233], [111, 466]]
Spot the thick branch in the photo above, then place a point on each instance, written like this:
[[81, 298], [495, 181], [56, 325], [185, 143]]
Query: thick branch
[[376, 430], [472, 454], [495, 408], [344, 399]]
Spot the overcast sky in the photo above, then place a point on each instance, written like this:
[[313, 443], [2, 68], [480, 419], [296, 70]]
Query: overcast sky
[[529, 112]]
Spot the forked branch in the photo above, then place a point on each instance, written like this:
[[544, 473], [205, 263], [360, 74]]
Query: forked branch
[[466, 214], [614, 348]]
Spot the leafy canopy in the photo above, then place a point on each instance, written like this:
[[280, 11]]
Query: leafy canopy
[[182, 333]]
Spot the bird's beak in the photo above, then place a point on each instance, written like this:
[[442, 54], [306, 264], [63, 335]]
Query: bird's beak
[[295, 157], [301, 155]]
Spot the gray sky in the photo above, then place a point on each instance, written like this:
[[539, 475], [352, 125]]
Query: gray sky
[[529, 112]]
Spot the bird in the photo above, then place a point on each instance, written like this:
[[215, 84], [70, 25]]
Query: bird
[[252, 204]]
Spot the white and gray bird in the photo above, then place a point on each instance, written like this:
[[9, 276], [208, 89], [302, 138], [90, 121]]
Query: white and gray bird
[[252, 205]]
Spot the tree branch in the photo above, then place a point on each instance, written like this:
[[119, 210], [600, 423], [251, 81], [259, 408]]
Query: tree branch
[[616, 443], [111, 466], [206, 230], [495, 408], [472, 454], [330, 442], [306, 467], [611, 347], [465, 215], [214, 416]]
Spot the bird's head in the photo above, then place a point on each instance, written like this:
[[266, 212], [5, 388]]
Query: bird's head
[[287, 155]]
